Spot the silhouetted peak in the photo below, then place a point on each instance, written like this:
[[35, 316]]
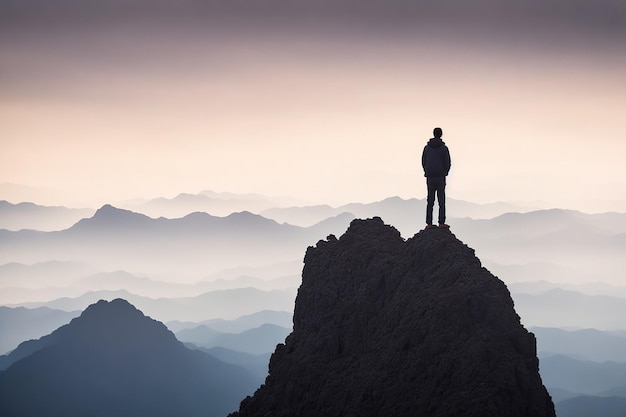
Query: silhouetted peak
[[384, 326], [246, 218], [114, 361], [107, 208], [244, 215], [111, 324], [118, 309], [110, 212], [112, 218]]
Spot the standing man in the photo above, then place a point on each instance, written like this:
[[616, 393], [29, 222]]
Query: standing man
[[436, 163]]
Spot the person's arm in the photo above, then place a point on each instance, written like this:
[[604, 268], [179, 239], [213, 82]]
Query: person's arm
[[448, 161], [424, 159]]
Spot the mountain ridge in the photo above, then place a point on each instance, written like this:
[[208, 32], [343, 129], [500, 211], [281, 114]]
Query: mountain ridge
[[257, 341], [201, 244], [27, 215]]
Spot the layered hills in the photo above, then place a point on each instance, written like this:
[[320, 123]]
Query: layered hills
[[384, 326], [114, 361], [195, 245]]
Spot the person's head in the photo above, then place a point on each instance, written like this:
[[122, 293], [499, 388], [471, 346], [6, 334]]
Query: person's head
[[437, 132]]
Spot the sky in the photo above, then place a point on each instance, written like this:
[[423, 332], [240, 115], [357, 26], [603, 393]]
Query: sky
[[328, 102]]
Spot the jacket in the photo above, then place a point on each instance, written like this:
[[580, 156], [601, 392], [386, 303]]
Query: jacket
[[436, 158]]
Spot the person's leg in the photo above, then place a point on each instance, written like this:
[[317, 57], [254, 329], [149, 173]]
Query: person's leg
[[430, 200], [441, 199]]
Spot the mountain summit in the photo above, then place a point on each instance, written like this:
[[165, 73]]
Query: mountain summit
[[388, 327], [114, 361]]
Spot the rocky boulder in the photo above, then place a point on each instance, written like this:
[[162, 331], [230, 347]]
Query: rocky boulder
[[388, 327]]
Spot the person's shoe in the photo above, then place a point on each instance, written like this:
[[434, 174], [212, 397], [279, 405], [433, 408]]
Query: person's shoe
[[444, 226], [430, 226]]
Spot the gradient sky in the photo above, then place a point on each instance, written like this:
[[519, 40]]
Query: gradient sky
[[325, 101]]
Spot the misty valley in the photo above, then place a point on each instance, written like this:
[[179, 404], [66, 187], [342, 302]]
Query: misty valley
[[201, 288]]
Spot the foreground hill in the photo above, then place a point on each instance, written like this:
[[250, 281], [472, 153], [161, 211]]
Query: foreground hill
[[384, 327], [114, 361]]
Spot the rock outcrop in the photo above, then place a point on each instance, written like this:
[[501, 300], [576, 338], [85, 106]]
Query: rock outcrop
[[388, 327]]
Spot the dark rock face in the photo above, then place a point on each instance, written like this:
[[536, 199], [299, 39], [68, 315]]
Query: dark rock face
[[387, 327]]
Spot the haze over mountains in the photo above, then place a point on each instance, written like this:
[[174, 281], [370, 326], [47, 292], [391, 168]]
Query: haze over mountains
[[282, 209], [35, 217], [204, 274], [118, 249], [196, 245], [580, 247]]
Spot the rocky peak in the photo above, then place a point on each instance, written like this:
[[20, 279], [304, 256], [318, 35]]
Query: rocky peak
[[384, 327]]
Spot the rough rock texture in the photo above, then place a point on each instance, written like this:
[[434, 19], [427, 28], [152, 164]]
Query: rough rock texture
[[387, 327]]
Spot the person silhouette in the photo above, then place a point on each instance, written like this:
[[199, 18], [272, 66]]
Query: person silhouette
[[436, 163]]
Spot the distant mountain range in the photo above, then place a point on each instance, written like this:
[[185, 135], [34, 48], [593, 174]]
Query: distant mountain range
[[214, 304], [579, 387], [397, 211], [571, 309], [255, 364], [216, 204], [199, 244], [29, 283], [240, 324], [113, 360], [20, 324], [260, 340], [586, 345], [196, 245], [586, 406], [588, 288], [32, 216], [40, 281], [593, 243], [577, 377], [407, 215]]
